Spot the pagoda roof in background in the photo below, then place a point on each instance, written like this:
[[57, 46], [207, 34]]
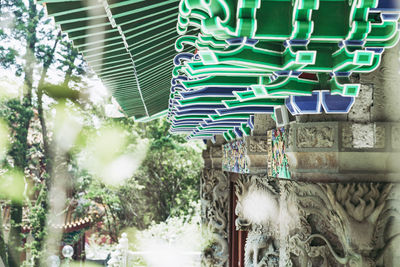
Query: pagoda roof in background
[[72, 221]]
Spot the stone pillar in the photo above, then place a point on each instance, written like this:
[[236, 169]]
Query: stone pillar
[[262, 123], [214, 195]]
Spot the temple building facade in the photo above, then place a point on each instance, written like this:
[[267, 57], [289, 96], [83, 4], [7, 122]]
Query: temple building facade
[[321, 191]]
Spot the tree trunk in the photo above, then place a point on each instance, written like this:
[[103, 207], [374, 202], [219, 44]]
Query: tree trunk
[[71, 56], [30, 53], [15, 240], [43, 201], [3, 251], [46, 142]]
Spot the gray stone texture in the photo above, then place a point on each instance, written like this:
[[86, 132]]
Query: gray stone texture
[[386, 83], [262, 123], [361, 110]]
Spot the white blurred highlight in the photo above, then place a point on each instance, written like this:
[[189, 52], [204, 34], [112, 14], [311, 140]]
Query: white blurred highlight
[[104, 159], [173, 243], [124, 166], [160, 253], [9, 88], [66, 128], [260, 207], [4, 139]]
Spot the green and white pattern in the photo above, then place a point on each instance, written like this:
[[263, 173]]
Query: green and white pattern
[[268, 53]]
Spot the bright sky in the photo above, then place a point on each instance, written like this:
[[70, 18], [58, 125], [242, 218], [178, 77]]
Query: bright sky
[[10, 84]]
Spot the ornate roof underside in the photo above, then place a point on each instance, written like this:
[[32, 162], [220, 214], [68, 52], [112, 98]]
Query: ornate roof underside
[[128, 43], [258, 56], [272, 55]]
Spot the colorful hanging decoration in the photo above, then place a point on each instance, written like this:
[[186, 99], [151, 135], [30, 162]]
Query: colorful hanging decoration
[[235, 157], [279, 165]]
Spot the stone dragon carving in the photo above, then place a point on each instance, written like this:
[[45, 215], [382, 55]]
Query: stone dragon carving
[[215, 208], [350, 224]]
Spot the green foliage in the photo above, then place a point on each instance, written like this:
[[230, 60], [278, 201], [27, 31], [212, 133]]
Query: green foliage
[[28, 26], [18, 116], [71, 238], [8, 59], [71, 63], [165, 185], [168, 180]]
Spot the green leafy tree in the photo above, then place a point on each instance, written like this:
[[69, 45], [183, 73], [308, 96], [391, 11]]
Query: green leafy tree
[[167, 182], [25, 27], [39, 42]]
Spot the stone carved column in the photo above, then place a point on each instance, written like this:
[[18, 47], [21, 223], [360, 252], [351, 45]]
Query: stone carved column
[[215, 214], [214, 195]]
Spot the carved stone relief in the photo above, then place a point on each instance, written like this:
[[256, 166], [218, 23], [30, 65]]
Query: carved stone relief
[[342, 224], [249, 188], [315, 137], [258, 145], [215, 211], [320, 224], [261, 250]]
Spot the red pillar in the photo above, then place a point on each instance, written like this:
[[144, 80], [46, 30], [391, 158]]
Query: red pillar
[[237, 239]]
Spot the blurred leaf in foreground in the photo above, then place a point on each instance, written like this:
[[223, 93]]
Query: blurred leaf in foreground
[[12, 186]]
